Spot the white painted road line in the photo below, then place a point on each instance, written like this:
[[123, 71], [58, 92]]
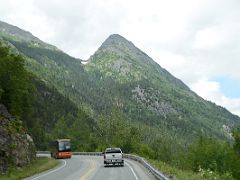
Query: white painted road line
[[132, 170], [49, 172]]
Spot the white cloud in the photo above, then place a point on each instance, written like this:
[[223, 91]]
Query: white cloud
[[208, 38], [231, 104], [207, 89], [210, 90]]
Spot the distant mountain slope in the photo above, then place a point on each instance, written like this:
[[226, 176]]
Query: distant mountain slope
[[7, 30], [51, 65], [148, 93], [119, 75], [57, 69]]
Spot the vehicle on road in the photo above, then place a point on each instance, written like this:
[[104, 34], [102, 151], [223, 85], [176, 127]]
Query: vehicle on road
[[113, 156], [60, 148]]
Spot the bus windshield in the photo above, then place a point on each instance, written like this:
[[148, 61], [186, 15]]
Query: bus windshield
[[64, 146]]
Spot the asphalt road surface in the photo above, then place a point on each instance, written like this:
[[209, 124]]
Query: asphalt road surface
[[92, 168]]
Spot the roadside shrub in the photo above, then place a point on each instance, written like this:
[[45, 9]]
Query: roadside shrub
[[210, 155]]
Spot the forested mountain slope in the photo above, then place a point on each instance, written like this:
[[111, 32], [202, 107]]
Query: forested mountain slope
[[147, 93], [53, 66], [38, 106], [120, 76]]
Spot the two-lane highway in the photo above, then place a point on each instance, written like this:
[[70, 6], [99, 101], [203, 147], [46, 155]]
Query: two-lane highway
[[92, 168]]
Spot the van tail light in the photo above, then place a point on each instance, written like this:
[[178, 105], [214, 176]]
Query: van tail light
[[104, 156]]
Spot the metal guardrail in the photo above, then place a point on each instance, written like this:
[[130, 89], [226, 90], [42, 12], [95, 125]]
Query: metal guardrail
[[148, 166], [75, 153], [139, 159], [88, 153], [42, 152]]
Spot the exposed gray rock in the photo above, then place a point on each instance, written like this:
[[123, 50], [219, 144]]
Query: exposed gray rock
[[152, 102], [16, 147], [4, 112], [23, 149], [121, 66]]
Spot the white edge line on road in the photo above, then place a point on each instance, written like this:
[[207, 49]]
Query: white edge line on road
[[132, 170], [51, 171]]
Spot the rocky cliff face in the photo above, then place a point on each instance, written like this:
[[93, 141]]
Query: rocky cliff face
[[16, 147]]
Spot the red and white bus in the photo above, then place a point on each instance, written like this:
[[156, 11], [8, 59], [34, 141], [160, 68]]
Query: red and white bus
[[60, 148]]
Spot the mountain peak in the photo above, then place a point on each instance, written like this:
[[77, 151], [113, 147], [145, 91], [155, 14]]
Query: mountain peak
[[121, 60], [117, 44], [120, 47], [116, 40], [115, 36]]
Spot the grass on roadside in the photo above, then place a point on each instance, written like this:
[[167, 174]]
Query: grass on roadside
[[39, 165], [188, 174]]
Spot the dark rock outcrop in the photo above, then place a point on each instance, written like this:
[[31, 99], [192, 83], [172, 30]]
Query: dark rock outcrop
[[16, 147]]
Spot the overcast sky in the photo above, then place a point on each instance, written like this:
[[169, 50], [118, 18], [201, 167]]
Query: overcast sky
[[198, 41]]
